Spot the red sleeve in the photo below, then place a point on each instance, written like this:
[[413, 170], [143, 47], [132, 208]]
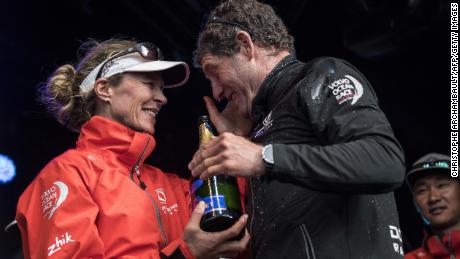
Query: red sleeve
[[56, 215], [177, 249]]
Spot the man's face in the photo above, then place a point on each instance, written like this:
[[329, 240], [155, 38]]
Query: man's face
[[231, 78], [438, 197]]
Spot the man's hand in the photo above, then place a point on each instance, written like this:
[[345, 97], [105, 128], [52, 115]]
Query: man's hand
[[228, 154], [214, 244], [229, 120]]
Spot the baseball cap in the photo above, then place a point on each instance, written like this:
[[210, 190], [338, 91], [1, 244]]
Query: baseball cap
[[432, 163], [174, 73]]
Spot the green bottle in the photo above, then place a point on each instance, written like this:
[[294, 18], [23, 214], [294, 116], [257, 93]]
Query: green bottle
[[220, 193]]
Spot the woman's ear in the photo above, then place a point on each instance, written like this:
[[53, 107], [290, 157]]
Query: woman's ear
[[243, 39], [102, 89]]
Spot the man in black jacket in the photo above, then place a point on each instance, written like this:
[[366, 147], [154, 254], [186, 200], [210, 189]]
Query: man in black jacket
[[320, 156]]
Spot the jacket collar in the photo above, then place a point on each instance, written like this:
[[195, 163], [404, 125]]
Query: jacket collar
[[267, 87], [129, 146], [449, 243]]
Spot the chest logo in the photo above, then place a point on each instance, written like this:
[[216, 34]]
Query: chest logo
[[347, 88], [165, 207], [161, 195], [266, 124]]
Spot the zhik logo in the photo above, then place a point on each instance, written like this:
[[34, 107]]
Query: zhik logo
[[59, 242]]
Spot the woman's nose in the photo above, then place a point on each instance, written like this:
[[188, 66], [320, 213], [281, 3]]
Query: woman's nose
[[159, 96]]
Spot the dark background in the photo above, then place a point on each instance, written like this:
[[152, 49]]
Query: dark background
[[401, 46]]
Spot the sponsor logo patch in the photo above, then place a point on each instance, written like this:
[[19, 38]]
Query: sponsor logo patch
[[395, 234], [267, 123], [167, 209], [161, 195], [347, 88], [59, 242], [53, 198], [171, 210]]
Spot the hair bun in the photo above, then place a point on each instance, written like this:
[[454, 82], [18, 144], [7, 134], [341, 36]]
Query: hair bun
[[60, 84]]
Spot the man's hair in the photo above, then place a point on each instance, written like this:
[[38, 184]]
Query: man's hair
[[218, 37]]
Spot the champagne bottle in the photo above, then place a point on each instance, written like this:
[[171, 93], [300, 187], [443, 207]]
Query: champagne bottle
[[220, 193]]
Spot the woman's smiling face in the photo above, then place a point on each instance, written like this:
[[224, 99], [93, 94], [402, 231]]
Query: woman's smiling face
[[136, 101]]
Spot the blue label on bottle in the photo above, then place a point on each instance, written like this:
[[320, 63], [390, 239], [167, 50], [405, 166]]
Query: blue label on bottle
[[195, 185], [214, 203]]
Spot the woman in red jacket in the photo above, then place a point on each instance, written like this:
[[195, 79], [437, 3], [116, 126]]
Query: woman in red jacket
[[99, 199]]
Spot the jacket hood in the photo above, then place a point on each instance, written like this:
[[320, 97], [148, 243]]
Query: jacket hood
[[129, 146]]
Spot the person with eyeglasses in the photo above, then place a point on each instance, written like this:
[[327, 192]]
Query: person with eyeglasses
[[99, 199], [319, 155], [436, 196]]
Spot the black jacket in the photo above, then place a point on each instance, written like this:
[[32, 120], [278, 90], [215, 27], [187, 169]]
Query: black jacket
[[329, 192]]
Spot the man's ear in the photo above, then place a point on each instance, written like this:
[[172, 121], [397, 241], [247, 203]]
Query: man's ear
[[102, 89], [243, 39]]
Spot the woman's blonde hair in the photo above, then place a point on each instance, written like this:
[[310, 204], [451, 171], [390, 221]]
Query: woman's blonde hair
[[62, 95]]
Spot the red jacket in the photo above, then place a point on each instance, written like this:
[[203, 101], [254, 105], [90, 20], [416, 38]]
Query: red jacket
[[435, 248], [88, 203]]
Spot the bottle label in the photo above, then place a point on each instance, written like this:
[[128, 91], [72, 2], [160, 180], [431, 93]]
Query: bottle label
[[195, 185], [214, 203]]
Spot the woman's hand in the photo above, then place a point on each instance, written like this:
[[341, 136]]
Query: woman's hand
[[214, 244]]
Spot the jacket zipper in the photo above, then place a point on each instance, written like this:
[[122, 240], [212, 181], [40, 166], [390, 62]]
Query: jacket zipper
[[144, 187], [157, 212], [307, 241], [136, 167]]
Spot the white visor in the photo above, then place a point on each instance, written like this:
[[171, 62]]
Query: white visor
[[174, 73]]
